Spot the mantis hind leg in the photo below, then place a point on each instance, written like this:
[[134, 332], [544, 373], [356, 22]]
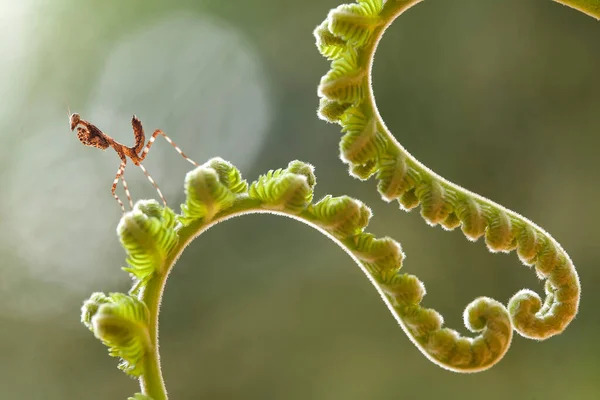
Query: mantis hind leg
[[120, 172]]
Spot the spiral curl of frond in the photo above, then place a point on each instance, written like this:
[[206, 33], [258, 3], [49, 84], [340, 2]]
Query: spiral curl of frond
[[354, 23], [154, 237], [211, 188], [120, 321], [345, 219], [148, 235], [329, 45], [284, 189], [371, 150]]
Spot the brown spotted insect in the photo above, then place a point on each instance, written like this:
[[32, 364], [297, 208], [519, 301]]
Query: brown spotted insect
[[91, 136]]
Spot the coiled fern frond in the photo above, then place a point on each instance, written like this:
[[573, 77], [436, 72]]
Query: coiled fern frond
[[120, 321], [154, 237], [349, 38]]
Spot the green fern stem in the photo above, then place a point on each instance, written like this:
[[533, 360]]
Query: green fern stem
[[349, 38], [154, 238], [380, 264], [589, 7]]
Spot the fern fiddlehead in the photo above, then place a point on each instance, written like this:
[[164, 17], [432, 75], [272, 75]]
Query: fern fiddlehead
[[349, 37], [154, 237]]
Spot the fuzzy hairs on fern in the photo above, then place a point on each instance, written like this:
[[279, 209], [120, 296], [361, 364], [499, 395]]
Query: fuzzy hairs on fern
[[154, 237], [348, 38]]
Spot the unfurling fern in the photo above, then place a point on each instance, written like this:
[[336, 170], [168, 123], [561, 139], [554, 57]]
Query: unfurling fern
[[349, 38], [215, 192], [121, 323], [154, 236]]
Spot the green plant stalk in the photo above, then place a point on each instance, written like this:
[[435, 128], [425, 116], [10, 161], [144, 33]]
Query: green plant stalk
[[589, 7], [152, 382], [155, 238], [349, 37]]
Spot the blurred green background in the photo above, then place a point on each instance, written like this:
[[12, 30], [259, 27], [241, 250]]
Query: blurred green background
[[502, 97]]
